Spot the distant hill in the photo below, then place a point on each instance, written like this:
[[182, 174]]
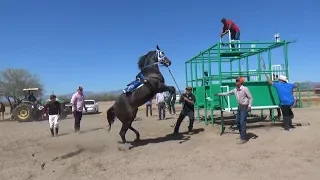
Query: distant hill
[[118, 92]]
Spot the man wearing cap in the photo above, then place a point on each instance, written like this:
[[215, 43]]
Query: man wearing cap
[[244, 100], [54, 112], [188, 100], [234, 29], [77, 102], [286, 98]]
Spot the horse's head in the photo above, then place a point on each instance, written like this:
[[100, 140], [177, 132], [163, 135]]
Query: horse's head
[[153, 58], [162, 58]]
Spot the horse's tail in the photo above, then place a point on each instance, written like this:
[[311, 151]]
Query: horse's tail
[[111, 116]]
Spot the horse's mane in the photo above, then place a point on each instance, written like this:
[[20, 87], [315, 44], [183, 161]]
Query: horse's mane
[[147, 57]]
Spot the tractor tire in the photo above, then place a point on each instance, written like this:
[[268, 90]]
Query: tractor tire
[[23, 113]]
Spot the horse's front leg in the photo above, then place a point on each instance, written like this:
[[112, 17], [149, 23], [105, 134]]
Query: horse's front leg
[[164, 88]]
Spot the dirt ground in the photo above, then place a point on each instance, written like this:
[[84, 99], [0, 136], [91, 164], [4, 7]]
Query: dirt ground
[[28, 152]]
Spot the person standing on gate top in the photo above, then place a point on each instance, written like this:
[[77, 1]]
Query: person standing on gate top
[[244, 100], [286, 98], [161, 105], [188, 100], [234, 29], [77, 102], [54, 112]]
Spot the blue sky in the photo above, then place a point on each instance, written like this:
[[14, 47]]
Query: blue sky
[[97, 43]]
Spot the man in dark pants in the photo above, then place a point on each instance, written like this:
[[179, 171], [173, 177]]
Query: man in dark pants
[[149, 107], [171, 103], [77, 102], [188, 100], [285, 94], [161, 105]]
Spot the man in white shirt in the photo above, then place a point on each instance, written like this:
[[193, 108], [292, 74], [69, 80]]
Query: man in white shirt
[[161, 105]]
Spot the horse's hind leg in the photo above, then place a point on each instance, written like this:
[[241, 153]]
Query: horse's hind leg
[[136, 132], [132, 129], [122, 133]]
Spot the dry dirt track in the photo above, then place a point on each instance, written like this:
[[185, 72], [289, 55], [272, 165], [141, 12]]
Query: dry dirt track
[[27, 151]]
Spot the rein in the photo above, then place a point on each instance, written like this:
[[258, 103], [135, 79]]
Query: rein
[[174, 80]]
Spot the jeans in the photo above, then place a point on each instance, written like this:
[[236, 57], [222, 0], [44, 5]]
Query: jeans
[[241, 121], [235, 36], [287, 116], [148, 107], [182, 115], [162, 110], [77, 119], [171, 107]]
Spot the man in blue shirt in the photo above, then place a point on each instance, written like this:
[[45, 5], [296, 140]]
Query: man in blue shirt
[[286, 98]]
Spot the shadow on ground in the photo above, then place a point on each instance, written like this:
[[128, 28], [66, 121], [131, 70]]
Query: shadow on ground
[[88, 114], [181, 137]]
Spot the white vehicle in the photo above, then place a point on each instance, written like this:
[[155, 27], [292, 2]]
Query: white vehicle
[[92, 106]]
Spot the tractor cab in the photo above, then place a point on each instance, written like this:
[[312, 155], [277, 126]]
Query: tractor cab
[[29, 94]]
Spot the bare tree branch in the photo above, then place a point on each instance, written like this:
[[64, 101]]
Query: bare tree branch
[[13, 81]]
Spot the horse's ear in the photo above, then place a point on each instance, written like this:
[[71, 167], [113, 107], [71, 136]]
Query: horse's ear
[[158, 47]]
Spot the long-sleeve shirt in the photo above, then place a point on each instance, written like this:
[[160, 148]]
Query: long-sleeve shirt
[[243, 95], [159, 98], [77, 102]]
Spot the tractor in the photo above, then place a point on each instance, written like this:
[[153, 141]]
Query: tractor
[[30, 109]]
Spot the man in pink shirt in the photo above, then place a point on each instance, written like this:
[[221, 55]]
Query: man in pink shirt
[[77, 102]]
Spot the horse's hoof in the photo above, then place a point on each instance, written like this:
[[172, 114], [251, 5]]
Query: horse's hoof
[[125, 147]]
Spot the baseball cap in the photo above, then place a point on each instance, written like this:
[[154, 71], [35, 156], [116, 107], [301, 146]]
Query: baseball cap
[[240, 79]]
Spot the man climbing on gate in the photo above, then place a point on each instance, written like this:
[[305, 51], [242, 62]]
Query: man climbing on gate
[[135, 84], [234, 29], [286, 98]]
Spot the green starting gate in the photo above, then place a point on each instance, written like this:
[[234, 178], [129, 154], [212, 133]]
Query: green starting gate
[[214, 71]]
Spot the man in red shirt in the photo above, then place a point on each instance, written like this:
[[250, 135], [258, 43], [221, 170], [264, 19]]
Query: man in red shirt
[[234, 29]]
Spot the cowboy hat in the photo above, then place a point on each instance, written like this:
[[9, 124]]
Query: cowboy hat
[[283, 78]]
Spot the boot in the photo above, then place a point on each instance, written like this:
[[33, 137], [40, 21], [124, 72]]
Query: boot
[[51, 130], [57, 130]]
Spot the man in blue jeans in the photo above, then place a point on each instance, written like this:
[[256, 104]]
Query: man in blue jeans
[[244, 100], [286, 98]]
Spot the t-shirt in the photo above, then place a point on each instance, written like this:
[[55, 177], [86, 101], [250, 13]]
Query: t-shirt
[[54, 108], [284, 91], [234, 27], [187, 106]]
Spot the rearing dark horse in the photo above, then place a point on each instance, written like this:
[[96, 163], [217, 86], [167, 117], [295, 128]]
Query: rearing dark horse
[[126, 106]]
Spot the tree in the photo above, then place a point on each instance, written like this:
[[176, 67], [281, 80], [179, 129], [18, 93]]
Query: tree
[[13, 81]]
